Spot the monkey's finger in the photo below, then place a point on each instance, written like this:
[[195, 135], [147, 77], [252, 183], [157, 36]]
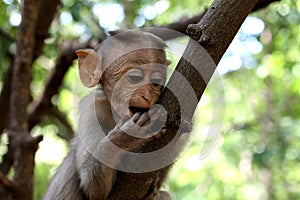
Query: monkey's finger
[[144, 119], [135, 117], [124, 119], [121, 122]]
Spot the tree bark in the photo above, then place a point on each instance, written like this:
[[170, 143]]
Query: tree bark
[[23, 144], [214, 32], [46, 13], [39, 29], [181, 25]]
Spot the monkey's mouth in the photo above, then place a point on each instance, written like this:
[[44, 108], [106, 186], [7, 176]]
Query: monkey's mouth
[[134, 109]]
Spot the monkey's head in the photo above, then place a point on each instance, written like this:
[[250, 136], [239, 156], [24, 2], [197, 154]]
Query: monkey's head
[[131, 67]]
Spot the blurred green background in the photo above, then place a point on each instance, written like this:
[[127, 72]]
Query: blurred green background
[[253, 98]]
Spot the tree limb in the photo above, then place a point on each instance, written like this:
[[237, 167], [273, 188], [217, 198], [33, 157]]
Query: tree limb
[[23, 144], [46, 12], [7, 160], [6, 183], [6, 36], [68, 133], [4, 99], [181, 25], [214, 32]]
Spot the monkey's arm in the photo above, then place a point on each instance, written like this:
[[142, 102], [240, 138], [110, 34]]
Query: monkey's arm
[[96, 179], [81, 175]]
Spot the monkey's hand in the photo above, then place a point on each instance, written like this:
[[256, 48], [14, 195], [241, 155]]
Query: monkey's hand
[[131, 134]]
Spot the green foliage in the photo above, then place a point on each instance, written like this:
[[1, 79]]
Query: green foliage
[[257, 155]]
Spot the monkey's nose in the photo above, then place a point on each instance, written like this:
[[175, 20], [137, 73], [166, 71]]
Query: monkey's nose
[[147, 97]]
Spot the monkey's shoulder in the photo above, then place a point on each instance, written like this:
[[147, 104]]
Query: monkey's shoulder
[[95, 99], [97, 107]]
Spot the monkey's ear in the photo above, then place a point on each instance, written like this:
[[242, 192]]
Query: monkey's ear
[[89, 63]]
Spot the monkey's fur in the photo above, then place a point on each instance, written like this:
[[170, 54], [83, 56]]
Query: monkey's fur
[[82, 175]]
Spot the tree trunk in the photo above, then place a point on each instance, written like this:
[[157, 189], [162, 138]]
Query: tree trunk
[[214, 32], [22, 143]]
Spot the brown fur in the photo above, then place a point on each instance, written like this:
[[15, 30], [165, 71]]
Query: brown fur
[[81, 175]]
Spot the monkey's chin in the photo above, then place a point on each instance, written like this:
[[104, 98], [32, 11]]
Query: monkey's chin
[[134, 109]]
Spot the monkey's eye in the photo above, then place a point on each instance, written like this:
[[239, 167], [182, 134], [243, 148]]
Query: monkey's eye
[[157, 79], [135, 76]]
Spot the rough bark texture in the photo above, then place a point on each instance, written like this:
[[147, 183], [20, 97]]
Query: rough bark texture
[[216, 42], [46, 11], [37, 17], [215, 32], [182, 24], [23, 144]]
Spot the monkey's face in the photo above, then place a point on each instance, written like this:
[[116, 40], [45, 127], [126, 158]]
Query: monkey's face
[[138, 89]]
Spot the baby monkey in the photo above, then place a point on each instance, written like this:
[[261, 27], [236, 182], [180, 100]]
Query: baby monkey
[[130, 71]]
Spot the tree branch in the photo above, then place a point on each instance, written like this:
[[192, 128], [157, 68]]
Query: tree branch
[[7, 160], [23, 144], [46, 12], [181, 25], [6, 36], [215, 32], [68, 133], [262, 4], [4, 99], [6, 183]]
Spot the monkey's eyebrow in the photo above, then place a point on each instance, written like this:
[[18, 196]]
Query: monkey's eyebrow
[[156, 75], [135, 71], [127, 65], [124, 68]]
